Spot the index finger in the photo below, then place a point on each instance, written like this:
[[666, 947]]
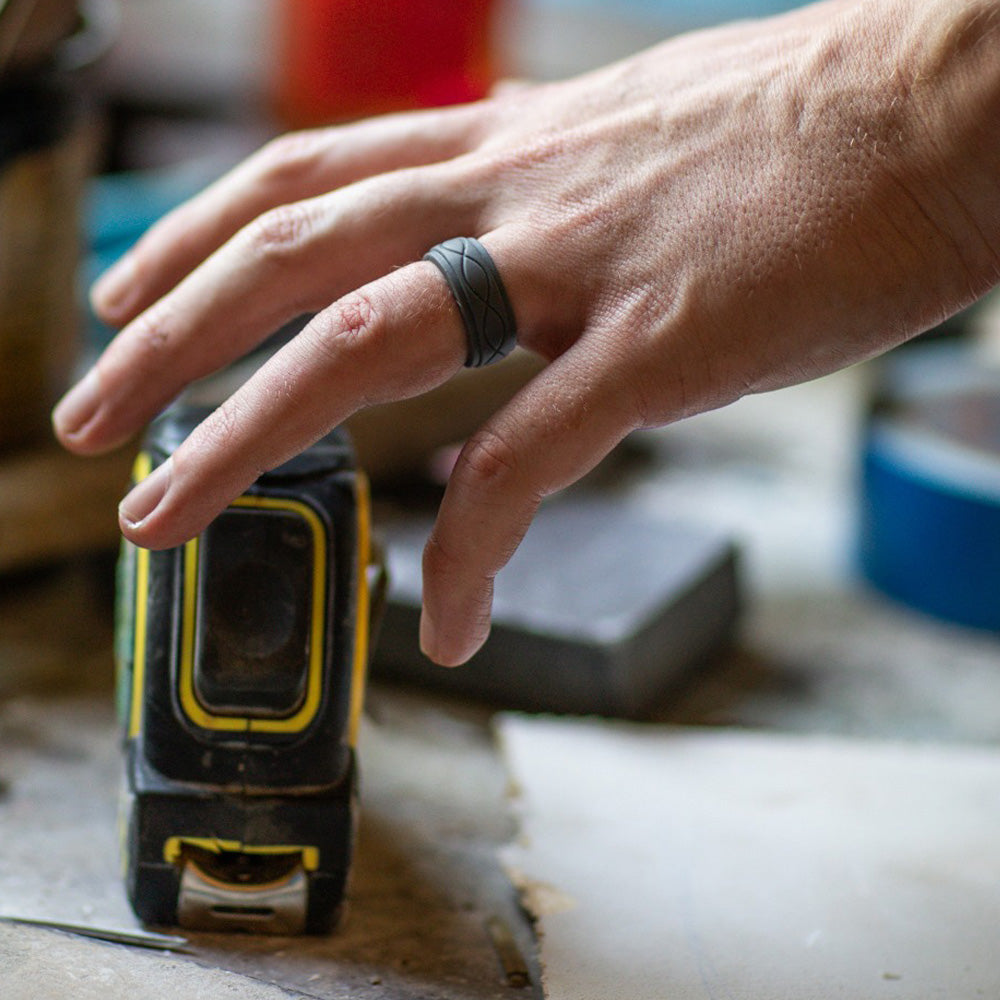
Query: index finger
[[290, 168], [396, 337]]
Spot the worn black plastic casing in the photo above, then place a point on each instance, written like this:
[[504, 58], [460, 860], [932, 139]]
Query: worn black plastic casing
[[243, 776]]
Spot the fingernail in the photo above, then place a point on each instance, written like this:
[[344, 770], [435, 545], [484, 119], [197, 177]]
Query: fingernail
[[113, 291], [78, 406], [145, 496]]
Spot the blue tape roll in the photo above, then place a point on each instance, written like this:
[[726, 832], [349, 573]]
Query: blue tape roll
[[930, 521]]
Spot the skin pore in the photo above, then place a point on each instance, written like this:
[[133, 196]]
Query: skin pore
[[729, 212]]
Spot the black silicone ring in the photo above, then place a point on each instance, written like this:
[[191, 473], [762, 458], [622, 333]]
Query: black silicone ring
[[482, 301]]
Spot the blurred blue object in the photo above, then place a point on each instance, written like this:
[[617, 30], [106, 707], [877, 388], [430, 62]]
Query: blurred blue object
[[930, 504], [931, 525], [121, 207]]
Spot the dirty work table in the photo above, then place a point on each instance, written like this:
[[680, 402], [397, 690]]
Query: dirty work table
[[816, 653], [426, 884]]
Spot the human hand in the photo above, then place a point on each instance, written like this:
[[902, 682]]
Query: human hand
[[732, 211]]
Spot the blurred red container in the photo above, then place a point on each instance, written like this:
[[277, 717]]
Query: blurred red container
[[344, 59]]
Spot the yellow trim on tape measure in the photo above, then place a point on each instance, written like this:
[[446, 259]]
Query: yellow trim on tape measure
[[192, 707], [173, 846], [362, 623], [141, 468]]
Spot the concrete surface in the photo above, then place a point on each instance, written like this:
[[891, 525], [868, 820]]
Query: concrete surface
[[36, 963]]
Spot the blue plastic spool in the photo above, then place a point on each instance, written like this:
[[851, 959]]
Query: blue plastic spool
[[930, 521]]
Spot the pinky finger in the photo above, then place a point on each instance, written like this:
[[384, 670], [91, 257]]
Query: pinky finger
[[552, 433]]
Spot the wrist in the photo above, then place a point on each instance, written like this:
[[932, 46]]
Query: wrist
[[949, 78], [906, 96]]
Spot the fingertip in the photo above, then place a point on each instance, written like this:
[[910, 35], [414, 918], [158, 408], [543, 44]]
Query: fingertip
[[155, 531], [113, 295], [452, 649], [92, 441], [135, 532], [145, 497], [148, 515], [131, 532], [75, 412], [79, 425], [72, 442], [429, 640], [454, 620], [146, 536]]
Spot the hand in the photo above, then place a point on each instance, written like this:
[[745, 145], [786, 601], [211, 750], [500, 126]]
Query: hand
[[732, 211]]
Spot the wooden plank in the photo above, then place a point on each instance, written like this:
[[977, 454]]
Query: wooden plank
[[54, 505]]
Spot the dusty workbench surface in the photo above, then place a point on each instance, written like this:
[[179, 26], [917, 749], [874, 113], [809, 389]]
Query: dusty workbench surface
[[427, 884], [817, 652]]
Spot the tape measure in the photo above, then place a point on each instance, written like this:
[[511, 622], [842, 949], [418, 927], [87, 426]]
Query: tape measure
[[241, 668]]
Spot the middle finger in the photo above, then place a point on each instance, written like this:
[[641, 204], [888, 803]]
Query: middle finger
[[393, 338], [291, 260]]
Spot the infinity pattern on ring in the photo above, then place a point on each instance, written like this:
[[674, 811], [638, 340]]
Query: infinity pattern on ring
[[478, 290]]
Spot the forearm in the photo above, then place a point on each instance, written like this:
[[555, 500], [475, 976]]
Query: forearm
[[947, 151]]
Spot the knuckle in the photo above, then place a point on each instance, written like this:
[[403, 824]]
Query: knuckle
[[352, 328], [489, 461], [279, 233], [288, 157], [357, 315], [500, 160], [152, 333]]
